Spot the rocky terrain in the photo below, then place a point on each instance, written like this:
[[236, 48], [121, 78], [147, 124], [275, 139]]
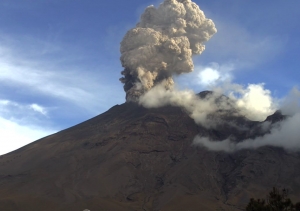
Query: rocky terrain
[[132, 158]]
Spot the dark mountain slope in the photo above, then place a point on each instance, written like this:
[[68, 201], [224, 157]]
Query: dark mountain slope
[[132, 158]]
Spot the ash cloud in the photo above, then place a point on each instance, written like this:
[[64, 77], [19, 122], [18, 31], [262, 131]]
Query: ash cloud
[[162, 44]]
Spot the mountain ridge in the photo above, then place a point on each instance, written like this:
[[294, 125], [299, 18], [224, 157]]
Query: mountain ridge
[[133, 158]]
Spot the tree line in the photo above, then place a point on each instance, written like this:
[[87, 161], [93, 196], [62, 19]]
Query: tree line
[[276, 201]]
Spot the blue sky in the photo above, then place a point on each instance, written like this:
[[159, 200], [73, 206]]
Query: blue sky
[[59, 59]]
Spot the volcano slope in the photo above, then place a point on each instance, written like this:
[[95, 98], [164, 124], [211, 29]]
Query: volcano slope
[[132, 158]]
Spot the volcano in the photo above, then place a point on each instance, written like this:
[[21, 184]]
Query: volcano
[[133, 158]]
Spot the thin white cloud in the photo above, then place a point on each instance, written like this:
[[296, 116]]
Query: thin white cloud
[[65, 83], [5, 102], [242, 46], [213, 74], [7, 106], [67, 86], [11, 109], [38, 108], [14, 135], [290, 104], [208, 76], [19, 124]]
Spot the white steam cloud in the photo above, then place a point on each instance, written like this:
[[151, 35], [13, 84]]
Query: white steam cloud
[[162, 44], [285, 134], [253, 102], [290, 105]]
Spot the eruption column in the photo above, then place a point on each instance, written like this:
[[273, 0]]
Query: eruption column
[[162, 44]]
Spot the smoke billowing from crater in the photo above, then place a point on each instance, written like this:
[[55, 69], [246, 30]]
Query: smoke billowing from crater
[[162, 44]]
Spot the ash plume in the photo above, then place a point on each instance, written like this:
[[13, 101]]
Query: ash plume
[[162, 44]]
